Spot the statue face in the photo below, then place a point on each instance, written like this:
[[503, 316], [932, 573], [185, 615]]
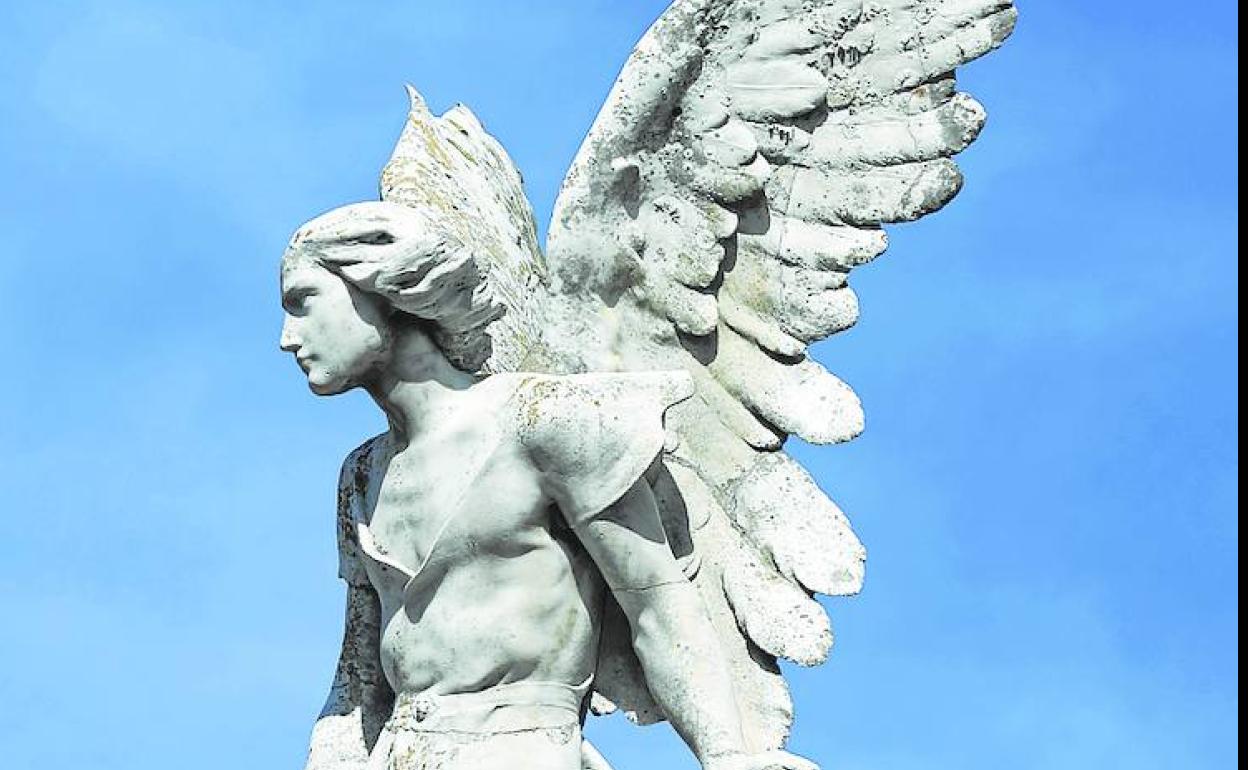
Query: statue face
[[338, 334]]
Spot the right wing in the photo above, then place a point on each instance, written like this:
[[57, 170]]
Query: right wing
[[450, 168]]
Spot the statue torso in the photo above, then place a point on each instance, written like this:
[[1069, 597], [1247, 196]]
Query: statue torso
[[480, 580]]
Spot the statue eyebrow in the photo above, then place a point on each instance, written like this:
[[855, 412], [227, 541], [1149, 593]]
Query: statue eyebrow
[[297, 288], [291, 294]]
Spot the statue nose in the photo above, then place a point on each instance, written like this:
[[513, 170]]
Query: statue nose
[[287, 340]]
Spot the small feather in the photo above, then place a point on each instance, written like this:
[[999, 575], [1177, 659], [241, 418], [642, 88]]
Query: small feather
[[801, 398], [922, 98], [812, 245], [867, 197], [775, 613], [883, 138], [821, 314], [784, 38], [701, 112], [781, 144], [775, 89], [680, 242], [722, 222], [732, 144], [727, 185], [689, 310], [735, 417], [951, 14], [780, 508], [766, 332], [806, 304], [886, 63], [965, 31]]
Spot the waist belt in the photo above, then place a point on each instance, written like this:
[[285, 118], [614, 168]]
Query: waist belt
[[503, 708]]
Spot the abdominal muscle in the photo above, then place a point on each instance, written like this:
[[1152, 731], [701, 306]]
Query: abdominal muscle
[[492, 620]]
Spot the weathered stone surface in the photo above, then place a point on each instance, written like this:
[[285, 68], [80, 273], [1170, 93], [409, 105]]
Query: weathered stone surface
[[582, 500]]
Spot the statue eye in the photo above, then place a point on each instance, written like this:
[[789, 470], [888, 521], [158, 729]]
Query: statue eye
[[295, 301]]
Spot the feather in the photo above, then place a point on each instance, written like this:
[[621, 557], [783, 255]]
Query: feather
[[806, 304], [866, 197], [774, 89], [882, 138], [800, 398], [762, 330], [795, 523], [774, 612], [811, 245]]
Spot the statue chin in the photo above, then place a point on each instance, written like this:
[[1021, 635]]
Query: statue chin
[[330, 388]]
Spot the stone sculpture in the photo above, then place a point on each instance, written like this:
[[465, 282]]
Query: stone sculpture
[[583, 502]]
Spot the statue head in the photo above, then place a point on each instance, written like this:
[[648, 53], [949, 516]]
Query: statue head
[[356, 276]]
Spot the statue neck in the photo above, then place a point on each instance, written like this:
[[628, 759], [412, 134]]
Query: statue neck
[[418, 388]]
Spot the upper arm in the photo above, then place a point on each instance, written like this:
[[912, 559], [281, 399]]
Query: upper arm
[[628, 543], [358, 664], [352, 482], [359, 682]]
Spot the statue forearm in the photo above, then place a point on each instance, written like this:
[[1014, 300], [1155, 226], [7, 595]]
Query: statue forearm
[[337, 743], [688, 679], [360, 699]]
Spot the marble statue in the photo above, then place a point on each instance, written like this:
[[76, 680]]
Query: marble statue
[[582, 503]]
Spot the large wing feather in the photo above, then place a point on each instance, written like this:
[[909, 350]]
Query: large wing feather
[[745, 161]]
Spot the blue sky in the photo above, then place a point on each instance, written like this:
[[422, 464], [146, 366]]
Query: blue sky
[[1048, 485]]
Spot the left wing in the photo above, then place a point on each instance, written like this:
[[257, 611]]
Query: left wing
[[744, 162]]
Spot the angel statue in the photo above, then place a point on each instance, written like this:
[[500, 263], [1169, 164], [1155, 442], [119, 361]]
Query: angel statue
[[582, 503]]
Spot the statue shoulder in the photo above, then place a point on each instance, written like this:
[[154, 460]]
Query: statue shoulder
[[353, 483], [563, 395], [592, 436], [356, 466]]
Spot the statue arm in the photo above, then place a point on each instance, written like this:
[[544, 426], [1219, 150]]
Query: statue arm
[[684, 668], [360, 699]]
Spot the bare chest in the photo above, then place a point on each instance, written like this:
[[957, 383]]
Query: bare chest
[[471, 492]]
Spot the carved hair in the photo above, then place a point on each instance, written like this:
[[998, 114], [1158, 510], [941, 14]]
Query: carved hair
[[403, 255]]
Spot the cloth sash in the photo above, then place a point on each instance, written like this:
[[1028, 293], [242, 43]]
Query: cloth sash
[[518, 726]]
